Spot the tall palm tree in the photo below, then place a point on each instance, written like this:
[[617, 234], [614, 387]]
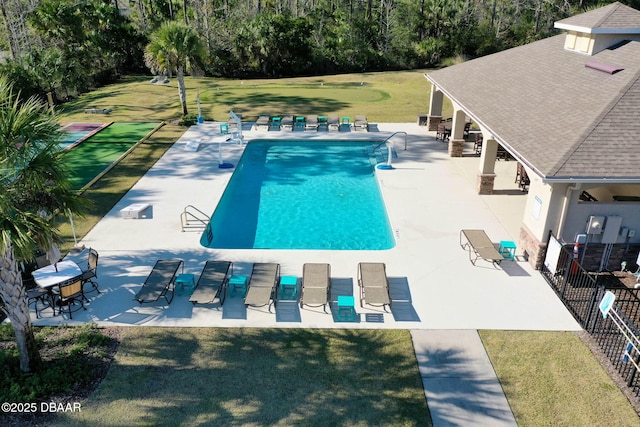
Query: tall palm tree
[[174, 47], [33, 188]]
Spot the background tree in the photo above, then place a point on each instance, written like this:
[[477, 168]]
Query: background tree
[[175, 48], [93, 41], [32, 182]]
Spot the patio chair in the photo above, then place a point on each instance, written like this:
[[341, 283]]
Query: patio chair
[[467, 129], [443, 131], [479, 246], [263, 122], [373, 284], [69, 294], [311, 122], [90, 275], [477, 144], [42, 260], [212, 283], [316, 282], [36, 295], [160, 281], [361, 124], [287, 122], [333, 122], [262, 285]]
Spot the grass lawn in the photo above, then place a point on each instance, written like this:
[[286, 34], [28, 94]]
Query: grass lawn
[[553, 379], [213, 376], [397, 96], [220, 376]]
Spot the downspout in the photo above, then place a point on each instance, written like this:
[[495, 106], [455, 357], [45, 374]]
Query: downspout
[[565, 206]]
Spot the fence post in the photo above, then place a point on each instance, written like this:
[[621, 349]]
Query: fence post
[[592, 312]]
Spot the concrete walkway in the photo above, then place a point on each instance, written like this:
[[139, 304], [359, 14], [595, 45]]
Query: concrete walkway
[[460, 384]]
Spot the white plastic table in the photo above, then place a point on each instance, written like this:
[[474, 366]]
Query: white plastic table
[[47, 277]]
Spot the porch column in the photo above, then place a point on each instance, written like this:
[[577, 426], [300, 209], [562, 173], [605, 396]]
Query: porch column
[[456, 141], [486, 173], [435, 109]]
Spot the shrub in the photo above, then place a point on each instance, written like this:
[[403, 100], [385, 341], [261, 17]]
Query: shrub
[[188, 120], [71, 356]]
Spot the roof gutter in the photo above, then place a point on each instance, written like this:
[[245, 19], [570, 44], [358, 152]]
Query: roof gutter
[[590, 180]]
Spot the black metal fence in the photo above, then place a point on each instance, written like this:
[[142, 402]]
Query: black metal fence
[[581, 292]]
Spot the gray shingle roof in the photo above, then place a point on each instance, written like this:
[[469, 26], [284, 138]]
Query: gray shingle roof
[[558, 116], [614, 16]]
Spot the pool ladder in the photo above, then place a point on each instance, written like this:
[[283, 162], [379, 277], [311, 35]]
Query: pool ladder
[[193, 218]]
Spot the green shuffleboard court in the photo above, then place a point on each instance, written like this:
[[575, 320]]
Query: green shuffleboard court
[[91, 157]]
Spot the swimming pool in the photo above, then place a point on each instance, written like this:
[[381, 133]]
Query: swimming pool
[[302, 195]]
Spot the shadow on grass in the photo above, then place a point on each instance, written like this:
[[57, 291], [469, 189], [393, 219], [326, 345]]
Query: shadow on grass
[[261, 377]]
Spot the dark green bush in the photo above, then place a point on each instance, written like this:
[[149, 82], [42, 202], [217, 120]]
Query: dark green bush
[[188, 120]]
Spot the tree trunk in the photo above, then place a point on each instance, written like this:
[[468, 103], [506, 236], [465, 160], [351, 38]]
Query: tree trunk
[[16, 304], [182, 90]]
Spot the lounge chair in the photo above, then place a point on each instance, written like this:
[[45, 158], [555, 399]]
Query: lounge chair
[[263, 122], [316, 282], [479, 245], [262, 285], [333, 122], [373, 283], [299, 123], [361, 124], [287, 122], [212, 283], [311, 122], [160, 281]]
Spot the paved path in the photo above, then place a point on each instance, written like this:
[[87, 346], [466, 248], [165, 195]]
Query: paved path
[[459, 381]]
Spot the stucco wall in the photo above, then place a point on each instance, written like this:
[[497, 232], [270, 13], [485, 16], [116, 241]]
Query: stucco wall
[[579, 213]]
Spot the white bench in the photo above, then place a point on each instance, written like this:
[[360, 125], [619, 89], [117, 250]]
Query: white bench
[[134, 210]]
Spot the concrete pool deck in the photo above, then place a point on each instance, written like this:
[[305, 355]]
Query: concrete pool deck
[[429, 198], [436, 292]]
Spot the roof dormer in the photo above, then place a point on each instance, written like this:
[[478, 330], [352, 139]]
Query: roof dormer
[[599, 29]]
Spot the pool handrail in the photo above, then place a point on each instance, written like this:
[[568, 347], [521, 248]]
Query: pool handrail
[[190, 219]]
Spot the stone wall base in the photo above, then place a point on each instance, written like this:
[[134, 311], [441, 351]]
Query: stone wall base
[[484, 183], [455, 147], [591, 257], [532, 248]]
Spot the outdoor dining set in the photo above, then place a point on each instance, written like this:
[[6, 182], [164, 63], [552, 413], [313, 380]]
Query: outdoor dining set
[[62, 284]]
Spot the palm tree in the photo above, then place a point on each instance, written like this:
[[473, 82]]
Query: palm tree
[[174, 47], [33, 188]]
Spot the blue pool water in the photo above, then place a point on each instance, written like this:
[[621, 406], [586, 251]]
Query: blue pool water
[[302, 195], [71, 138]]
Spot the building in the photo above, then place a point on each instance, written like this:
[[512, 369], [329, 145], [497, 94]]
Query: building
[[567, 108]]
